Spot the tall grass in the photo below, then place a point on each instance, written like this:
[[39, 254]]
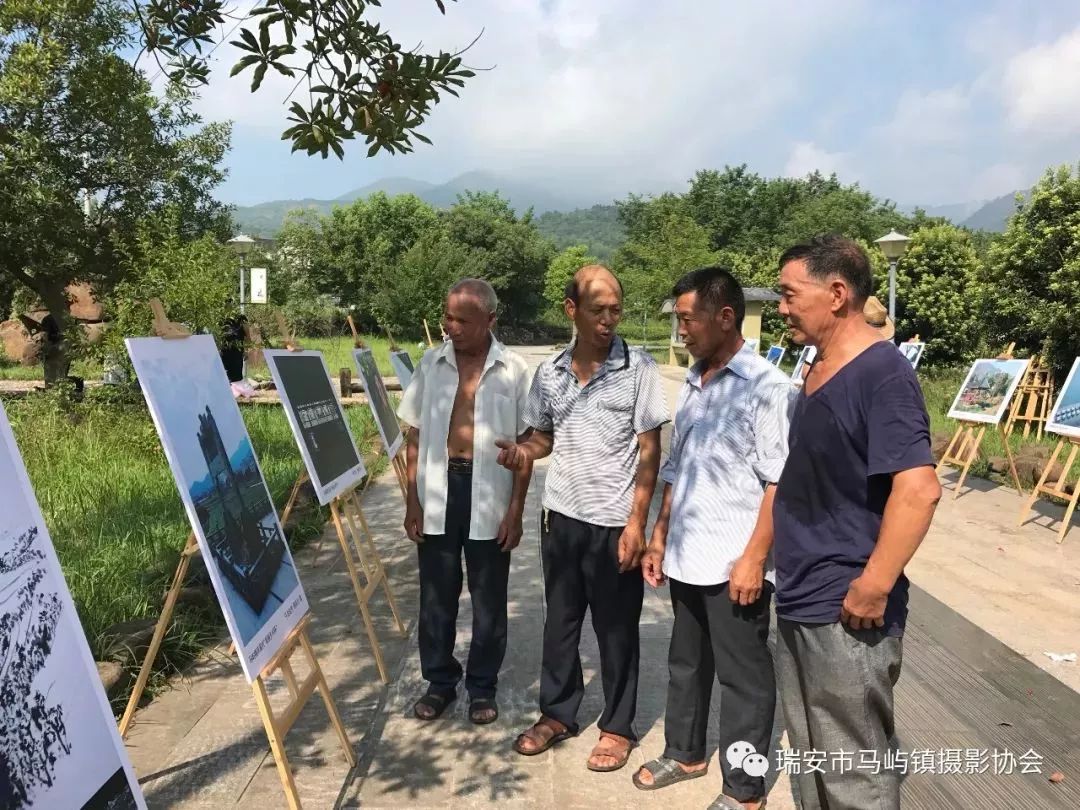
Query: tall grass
[[114, 513]]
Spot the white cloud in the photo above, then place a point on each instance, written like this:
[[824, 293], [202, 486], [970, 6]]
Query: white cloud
[[807, 157], [1041, 88], [936, 117]]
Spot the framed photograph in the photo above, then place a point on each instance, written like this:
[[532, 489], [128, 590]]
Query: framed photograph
[[1065, 418], [401, 362], [987, 390], [59, 746], [317, 421], [912, 351], [379, 401], [802, 363], [223, 490], [775, 355]]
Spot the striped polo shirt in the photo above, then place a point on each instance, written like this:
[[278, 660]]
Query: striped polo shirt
[[595, 427], [729, 439]]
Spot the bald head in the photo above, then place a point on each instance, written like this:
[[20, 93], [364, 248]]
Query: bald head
[[589, 278]]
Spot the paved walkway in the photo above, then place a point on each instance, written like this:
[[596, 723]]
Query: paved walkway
[[963, 692]]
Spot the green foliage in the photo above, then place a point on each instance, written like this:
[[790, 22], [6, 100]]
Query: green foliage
[[358, 79], [1031, 280], [597, 228], [194, 279], [937, 293], [560, 271], [650, 264]]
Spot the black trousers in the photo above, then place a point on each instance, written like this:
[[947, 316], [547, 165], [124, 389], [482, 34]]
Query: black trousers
[[440, 590], [715, 637], [581, 571]]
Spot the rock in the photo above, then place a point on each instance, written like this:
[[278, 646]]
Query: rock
[[1029, 469], [938, 444], [113, 677], [999, 465], [84, 307], [127, 642], [19, 346], [93, 332], [197, 596], [1039, 450]]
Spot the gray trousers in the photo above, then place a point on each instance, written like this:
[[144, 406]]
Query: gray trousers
[[836, 689]]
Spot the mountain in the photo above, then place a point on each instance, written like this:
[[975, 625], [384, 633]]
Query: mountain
[[598, 228], [265, 219], [994, 215], [955, 212]]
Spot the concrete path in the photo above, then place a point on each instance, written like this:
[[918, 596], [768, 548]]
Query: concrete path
[[963, 694]]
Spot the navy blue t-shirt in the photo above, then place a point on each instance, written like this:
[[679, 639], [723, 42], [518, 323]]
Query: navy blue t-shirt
[[846, 440]]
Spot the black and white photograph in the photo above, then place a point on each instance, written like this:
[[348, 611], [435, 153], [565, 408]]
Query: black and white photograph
[[317, 420], [222, 487], [803, 362], [379, 401], [402, 363], [912, 350], [59, 747]]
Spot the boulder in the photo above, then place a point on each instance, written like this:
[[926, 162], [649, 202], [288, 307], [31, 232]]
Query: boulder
[[93, 332], [999, 465], [113, 677], [938, 444], [127, 642], [1029, 469], [197, 596], [19, 346], [84, 307]]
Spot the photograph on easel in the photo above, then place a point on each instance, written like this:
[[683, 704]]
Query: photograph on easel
[[803, 363], [223, 490], [912, 352], [317, 421], [59, 746], [379, 401], [775, 355], [402, 364], [987, 390], [1065, 418]]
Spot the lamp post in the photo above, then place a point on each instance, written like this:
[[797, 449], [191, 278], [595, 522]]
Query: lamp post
[[242, 245], [893, 245]]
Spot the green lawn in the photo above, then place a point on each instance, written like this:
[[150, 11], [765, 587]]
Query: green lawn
[[115, 516]]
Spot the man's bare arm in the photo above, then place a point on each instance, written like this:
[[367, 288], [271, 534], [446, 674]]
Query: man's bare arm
[[632, 541], [414, 513], [514, 456]]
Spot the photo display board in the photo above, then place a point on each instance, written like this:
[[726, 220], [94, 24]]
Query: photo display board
[[317, 421], [402, 363], [379, 401], [59, 746], [223, 490], [987, 390], [1065, 418]]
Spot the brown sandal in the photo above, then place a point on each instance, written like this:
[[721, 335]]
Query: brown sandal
[[532, 736], [620, 754]]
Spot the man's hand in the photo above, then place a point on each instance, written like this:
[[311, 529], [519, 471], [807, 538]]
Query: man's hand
[[652, 565], [414, 520], [746, 580], [513, 456], [864, 605], [631, 547], [510, 530]]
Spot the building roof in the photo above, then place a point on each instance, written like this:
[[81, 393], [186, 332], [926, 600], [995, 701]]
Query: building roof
[[749, 293]]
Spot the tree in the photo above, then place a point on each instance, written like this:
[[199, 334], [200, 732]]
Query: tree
[[1031, 279], [87, 151], [651, 263], [560, 271], [359, 81], [937, 293]]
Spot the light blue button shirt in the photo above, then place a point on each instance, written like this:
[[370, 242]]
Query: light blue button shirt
[[730, 439]]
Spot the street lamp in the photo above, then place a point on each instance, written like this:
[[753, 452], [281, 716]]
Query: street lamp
[[242, 245], [893, 245]]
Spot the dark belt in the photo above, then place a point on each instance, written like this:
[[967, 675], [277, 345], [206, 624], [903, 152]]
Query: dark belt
[[460, 465]]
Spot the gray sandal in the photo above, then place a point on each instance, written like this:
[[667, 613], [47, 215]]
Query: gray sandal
[[727, 803], [666, 772]]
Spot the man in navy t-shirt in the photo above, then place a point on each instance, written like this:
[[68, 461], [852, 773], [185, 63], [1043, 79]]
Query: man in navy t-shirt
[[853, 504]]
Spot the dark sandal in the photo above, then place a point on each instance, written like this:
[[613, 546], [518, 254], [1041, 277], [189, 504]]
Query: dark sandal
[[435, 702], [723, 802], [557, 737], [665, 772], [620, 757], [483, 704]]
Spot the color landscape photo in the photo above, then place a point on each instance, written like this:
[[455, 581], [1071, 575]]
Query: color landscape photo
[[987, 390]]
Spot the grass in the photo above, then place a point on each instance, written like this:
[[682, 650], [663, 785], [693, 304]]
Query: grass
[[115, 516]]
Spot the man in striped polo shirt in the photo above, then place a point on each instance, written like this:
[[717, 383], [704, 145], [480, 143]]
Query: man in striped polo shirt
[[597, 408], [711, 542]]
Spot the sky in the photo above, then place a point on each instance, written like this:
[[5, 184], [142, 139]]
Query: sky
[[919, 102]]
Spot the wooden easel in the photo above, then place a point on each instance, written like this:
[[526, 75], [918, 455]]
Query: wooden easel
[[430, 342], [1057, 489], [963, 449], [276, 726], [1033, 399]]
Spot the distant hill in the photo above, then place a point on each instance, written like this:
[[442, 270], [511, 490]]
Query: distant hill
[[994, 215], [265, 219], [598, 228]]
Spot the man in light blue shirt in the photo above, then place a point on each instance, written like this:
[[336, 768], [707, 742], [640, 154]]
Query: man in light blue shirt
[[712, 539]]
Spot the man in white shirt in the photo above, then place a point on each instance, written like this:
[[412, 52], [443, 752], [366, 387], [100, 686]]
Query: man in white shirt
[[712, 539], [466, 394]]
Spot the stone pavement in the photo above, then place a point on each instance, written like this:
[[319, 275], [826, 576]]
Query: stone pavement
[[962, 691]]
